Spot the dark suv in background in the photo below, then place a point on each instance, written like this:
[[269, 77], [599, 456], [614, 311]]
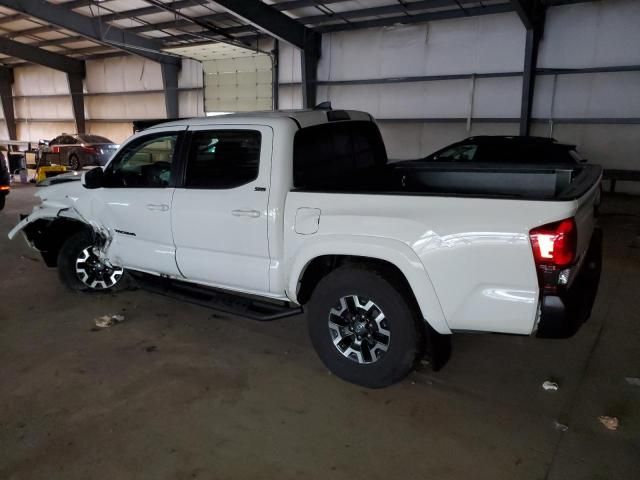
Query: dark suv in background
[[507, 149], [77, 151]]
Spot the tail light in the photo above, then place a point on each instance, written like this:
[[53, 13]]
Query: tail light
[[55, 149], [4, 187], [554, 248], [555, 243]]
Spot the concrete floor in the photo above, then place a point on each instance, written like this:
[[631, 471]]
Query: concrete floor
[[217, 397]]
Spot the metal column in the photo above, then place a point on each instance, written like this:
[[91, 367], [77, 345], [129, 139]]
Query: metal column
[[532, 16], [309, 63], [6, 97], [76, 90], [529, 77], [170, 85]]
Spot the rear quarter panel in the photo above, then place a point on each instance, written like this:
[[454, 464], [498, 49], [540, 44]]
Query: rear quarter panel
[[585, 219], [473, 252]]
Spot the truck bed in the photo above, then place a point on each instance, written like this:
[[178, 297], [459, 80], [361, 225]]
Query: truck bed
[[528, 182]]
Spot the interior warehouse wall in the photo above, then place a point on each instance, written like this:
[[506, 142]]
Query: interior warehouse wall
[[584, 35], [118, 90], [43, 109]]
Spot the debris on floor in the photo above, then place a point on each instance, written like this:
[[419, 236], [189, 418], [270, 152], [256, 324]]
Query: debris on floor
[[635, 381], [561, 427], [151, 348], [550, 386], [107, 321], [611, 423]]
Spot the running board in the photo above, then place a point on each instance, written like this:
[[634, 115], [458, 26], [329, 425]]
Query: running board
[[215, 299]]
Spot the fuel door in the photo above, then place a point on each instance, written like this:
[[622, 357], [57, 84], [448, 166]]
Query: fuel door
[[307, 220]]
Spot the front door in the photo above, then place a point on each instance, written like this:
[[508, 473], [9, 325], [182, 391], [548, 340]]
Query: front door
[[219, 217], [135, 203]]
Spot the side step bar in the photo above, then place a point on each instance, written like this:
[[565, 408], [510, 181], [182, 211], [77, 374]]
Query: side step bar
[[215, 299]]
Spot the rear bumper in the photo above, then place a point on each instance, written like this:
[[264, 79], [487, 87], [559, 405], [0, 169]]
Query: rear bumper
[[562, 314]]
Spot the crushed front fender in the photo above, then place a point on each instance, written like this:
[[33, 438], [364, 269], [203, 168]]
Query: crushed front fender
[[45, 213]]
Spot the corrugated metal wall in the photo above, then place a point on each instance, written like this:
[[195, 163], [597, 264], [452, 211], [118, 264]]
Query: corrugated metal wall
[[117, 90], [419, 117]]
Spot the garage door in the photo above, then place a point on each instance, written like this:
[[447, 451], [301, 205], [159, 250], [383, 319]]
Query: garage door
[[235, 79]]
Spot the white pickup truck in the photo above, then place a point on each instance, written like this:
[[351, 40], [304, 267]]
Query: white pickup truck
[[267, 213]]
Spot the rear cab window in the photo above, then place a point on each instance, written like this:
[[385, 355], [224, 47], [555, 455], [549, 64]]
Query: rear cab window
[[337, 155]]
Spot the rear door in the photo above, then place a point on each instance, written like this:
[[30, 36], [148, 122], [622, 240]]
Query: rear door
[[220, 214]]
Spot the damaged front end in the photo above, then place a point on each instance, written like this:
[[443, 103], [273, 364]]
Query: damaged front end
[[47, 234], [53, 221]]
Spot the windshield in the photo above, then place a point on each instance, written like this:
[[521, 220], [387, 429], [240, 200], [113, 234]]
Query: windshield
[[458, 153]]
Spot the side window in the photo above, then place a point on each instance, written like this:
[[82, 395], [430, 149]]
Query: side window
[[55, 141], [143, 163], [68, 140], [223, 158], [459, 153]]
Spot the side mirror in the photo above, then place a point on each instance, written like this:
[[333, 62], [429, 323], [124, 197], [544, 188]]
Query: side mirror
[[93, 178]]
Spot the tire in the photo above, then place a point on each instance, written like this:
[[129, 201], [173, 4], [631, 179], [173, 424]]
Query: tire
[[392, 356], [74, 162], [2, 200], [81, 271]]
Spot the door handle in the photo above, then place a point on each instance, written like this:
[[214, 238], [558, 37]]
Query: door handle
[[158, 207], [245, 213]]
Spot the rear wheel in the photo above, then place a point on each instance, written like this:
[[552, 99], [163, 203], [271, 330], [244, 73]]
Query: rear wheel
[[363, 328], [81, 269], [74, 162]]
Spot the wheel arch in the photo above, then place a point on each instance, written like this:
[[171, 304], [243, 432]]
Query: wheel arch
[[317, 258], [48, 235]]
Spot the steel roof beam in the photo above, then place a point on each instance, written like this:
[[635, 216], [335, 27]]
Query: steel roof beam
[[140, 12], [285, 28], [419, 18], [523, 9], [74, 68], [375, 11], [91, 28], [270, 20], [41, 57], [11, 18]]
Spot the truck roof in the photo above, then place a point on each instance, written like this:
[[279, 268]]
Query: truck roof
[[304, 118]]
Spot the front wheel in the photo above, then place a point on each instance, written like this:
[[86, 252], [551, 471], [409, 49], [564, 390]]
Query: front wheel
[[81, 269], [364, 329]]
